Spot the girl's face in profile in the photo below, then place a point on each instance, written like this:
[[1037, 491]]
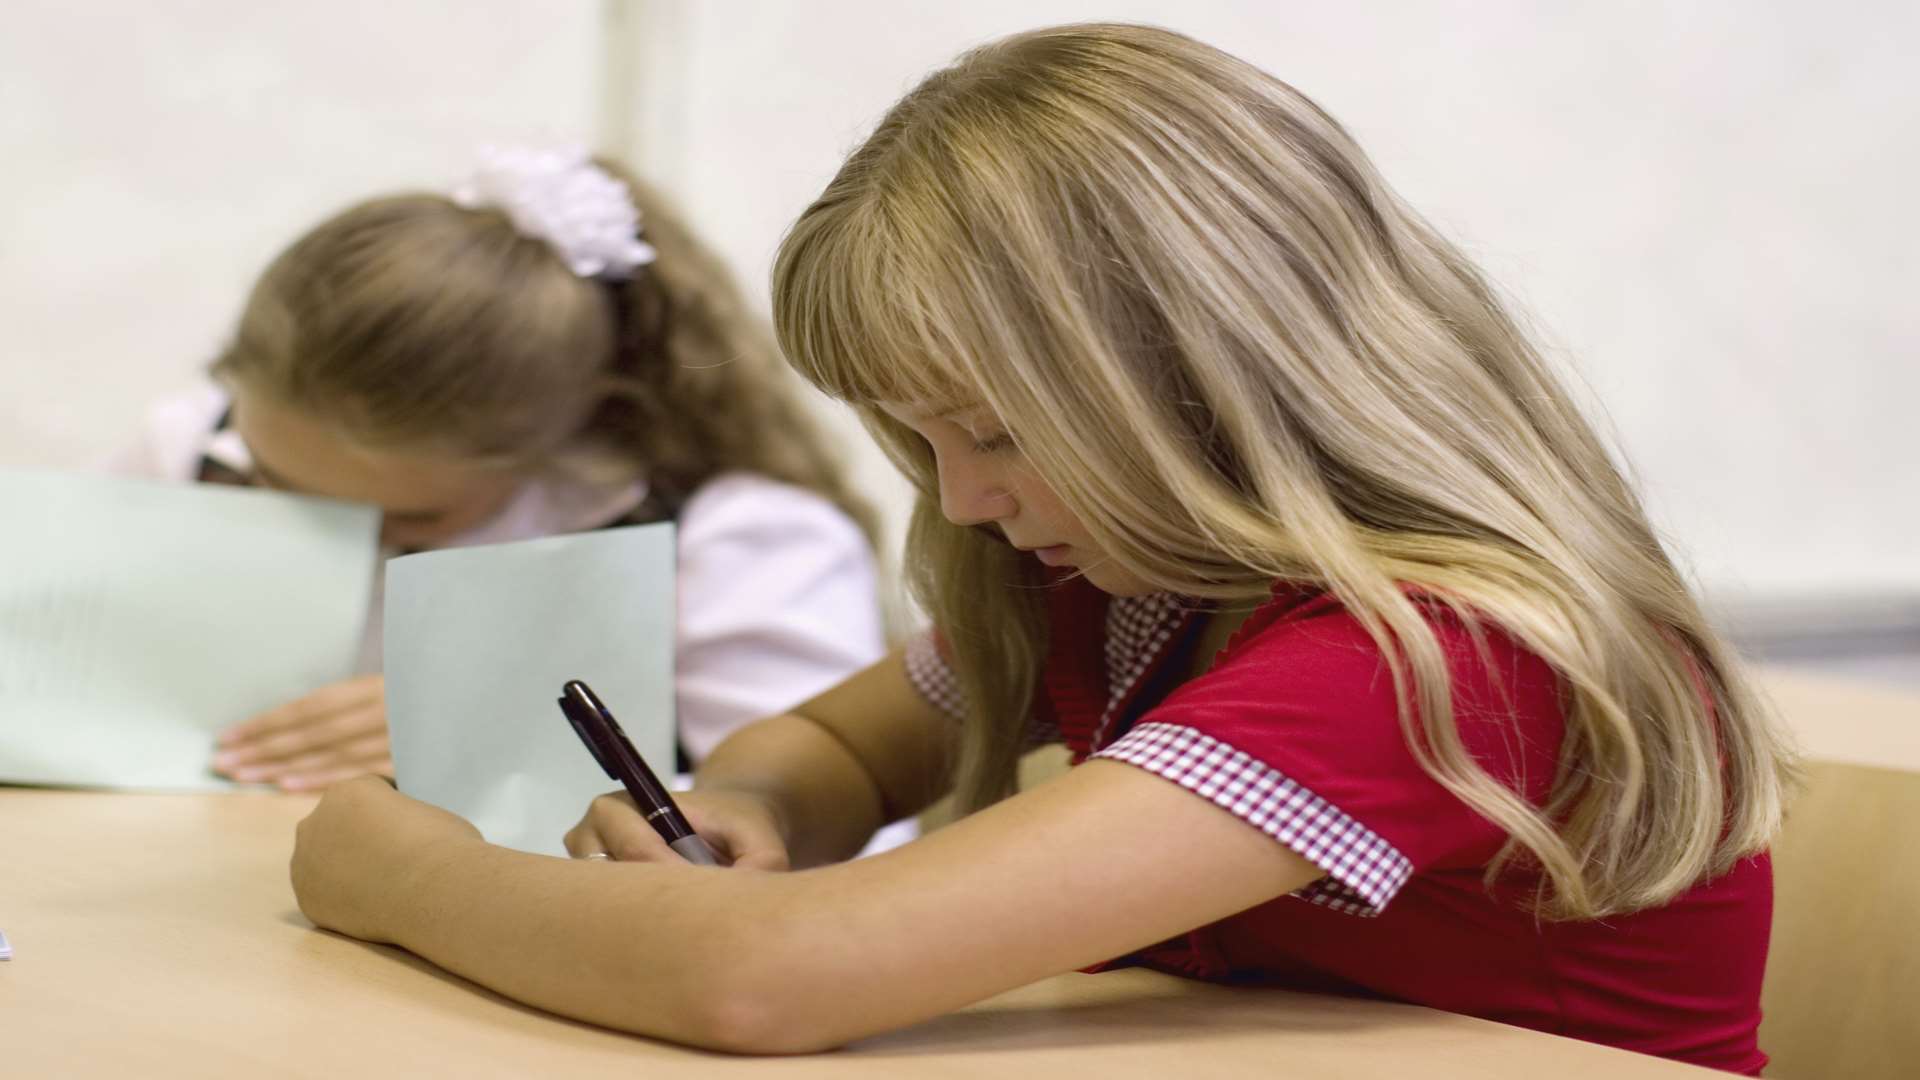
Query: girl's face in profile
[[426, 497], [985, 480]]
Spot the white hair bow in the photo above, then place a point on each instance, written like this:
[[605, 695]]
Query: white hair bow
[[560, 196]]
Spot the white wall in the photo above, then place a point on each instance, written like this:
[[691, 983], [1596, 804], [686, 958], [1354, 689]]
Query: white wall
[[153, 157], [1707, 205]]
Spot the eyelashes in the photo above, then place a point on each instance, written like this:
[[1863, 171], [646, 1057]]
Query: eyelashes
[[993, 444]]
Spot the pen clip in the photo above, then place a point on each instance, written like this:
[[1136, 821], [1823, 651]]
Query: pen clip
[[590, 735], [610, 744]]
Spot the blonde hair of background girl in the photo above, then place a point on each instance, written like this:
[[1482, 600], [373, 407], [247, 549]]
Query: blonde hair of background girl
[[413, 322], [1239, 358]]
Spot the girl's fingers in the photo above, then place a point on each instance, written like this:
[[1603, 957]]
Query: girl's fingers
[[360, 753], [752, 849], [586, 837], [582, 841], [741, 828], [625, 834], [318, 734], [612, 826], [352, 694]]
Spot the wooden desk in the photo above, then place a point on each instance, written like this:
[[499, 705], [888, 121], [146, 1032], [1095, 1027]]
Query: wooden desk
[[1845, 964], [156, 936], [1840, 720]]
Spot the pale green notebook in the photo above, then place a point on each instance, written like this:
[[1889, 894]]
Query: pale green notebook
[[479, 642], [138, 618]]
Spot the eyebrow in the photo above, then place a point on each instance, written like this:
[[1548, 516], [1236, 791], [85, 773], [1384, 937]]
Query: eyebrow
[[274, 479], [416, 517], [968, 411]]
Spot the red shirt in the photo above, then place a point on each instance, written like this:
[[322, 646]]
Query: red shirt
[[1295, 728]]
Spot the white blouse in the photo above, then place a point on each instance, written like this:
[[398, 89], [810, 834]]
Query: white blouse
[[777, 587]]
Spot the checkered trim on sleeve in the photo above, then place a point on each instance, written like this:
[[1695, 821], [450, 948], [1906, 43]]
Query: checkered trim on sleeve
[[1363, 870], [933, 677], [935, 681]]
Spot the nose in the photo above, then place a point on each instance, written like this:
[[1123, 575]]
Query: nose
[[971, 490]]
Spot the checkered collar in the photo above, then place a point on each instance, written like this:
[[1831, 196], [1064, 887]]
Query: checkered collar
[[1093, 696], [1141, 631]]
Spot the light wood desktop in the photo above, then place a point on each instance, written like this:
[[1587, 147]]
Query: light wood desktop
[[156, 936], [1844, 970]]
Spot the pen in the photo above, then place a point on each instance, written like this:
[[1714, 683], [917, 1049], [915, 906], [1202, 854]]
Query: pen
[[615, 753]]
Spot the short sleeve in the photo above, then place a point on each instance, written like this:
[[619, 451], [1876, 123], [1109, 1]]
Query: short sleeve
[[778, 601], [1296, 731], [934, 679], [175, 433], [932, 676]]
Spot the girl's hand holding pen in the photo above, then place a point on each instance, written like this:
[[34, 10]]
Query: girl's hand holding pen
[[607, 741], [742, 828]]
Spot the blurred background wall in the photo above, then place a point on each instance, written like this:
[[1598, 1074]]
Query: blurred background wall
[[1705, 207]]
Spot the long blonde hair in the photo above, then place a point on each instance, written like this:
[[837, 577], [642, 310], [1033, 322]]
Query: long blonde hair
[[411, 321], [1238, 357]]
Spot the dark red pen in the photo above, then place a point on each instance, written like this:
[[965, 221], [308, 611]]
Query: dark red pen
[[615, 753]]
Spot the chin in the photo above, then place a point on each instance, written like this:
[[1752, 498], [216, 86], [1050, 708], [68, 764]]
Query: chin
[[1116, 581]]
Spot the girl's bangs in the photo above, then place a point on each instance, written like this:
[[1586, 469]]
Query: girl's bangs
[[857, 314]]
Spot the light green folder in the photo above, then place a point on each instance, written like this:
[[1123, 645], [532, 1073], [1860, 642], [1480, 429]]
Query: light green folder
[[138, 618], [479, 642]]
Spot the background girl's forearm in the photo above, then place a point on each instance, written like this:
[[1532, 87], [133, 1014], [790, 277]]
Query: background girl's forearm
[[826, 801]]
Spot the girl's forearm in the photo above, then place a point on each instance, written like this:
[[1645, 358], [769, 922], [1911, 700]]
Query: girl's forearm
[[647, 948], [762, 962]]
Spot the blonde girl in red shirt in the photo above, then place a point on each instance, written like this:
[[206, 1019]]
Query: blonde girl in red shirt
[[1240, 481]]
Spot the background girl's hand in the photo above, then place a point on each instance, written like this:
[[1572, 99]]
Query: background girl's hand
[[334, 733], [353, 856], [741, 828]]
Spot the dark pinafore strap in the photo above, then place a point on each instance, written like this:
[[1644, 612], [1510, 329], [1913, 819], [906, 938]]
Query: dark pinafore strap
[[219, 472]]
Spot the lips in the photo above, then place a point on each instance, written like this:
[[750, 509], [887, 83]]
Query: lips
[[1054, 555]]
